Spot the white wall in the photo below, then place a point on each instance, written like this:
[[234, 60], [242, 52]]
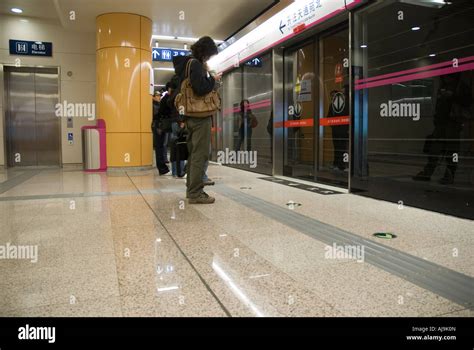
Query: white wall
[[73, 52]]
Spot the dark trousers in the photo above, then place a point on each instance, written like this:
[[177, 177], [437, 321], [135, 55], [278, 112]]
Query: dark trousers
[[446, 143], [242, 137], [161, 152], [199, 139], [177, 157]]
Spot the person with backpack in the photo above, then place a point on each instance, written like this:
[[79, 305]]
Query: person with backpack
[[197, 101]]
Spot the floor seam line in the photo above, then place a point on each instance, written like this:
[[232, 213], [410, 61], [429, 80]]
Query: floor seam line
[[209, 289]]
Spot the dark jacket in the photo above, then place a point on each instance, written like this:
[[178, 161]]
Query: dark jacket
[[201, 81], [165, 110], [156, 108]]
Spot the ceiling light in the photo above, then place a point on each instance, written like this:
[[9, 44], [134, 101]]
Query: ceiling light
[[363, 46], [16, 10], [180, 38], [415, 28], [428, 3], [432, 55]]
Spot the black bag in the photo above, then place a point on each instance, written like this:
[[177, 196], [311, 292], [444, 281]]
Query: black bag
[[165, 124], [182, 150]]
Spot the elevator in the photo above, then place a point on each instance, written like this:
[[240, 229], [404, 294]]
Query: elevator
[[32, 128]]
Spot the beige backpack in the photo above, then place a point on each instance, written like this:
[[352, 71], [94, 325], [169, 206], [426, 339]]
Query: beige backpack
[[189, 104]]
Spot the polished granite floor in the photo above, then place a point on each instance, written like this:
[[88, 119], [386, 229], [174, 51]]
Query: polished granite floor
[[128, 244]]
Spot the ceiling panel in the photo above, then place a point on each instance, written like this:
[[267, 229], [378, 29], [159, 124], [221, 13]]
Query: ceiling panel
[[217, 18]]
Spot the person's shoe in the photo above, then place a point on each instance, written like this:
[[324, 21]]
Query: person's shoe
[[203, 198], [165, 173], [421, 176], [208, 182], [447, 179]]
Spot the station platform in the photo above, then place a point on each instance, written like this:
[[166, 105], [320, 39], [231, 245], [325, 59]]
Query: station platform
[[127, 243]]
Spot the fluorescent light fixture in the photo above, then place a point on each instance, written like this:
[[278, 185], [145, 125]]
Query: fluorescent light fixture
[[428, 3], [180, 38], [259, 276], [415, 28], [363, 46], [167, 289], [432, 54], [16, 10], [163, 68]]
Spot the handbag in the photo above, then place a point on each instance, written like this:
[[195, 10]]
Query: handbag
[[190, 104]]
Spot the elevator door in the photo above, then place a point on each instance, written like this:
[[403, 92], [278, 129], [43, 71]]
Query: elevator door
[[32, 127]]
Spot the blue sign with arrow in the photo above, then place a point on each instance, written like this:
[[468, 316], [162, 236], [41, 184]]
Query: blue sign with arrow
[[166, 55], [254, 62]]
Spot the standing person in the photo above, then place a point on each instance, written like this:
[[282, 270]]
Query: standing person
[[270, 132], [452, 109], [199, 128], [247, 123], [158, 136], [178, 149], [177, 136]]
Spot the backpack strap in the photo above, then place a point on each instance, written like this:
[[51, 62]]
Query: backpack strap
[[188, 68]]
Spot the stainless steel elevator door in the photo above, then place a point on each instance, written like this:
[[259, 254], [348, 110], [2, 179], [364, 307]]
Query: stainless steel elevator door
[[33, 130]]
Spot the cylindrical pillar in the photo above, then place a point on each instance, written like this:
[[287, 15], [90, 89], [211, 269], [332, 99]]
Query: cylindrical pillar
[[123, 82]]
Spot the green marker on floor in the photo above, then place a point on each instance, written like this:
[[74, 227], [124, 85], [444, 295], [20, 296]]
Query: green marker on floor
[[385, 235]]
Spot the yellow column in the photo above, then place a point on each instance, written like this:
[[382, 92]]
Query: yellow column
[[123, 80]]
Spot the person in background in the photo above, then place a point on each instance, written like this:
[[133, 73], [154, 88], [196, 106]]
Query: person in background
[[178, 144], [247, 123], [178, 149], [199, 129], [158, 137], [270, 132], [163, 127], [452, 110]]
